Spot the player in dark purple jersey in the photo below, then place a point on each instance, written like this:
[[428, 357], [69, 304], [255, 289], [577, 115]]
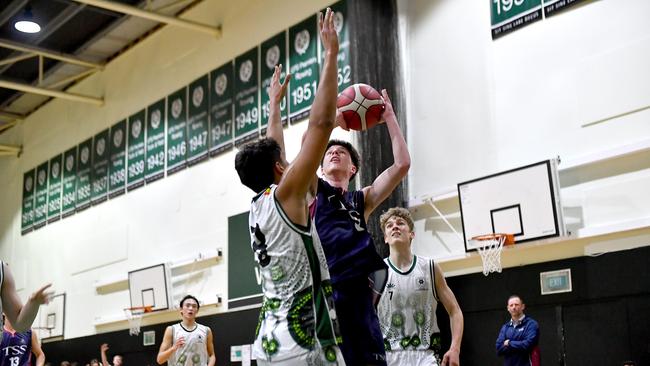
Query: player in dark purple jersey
[[341, 218], [17, 348]]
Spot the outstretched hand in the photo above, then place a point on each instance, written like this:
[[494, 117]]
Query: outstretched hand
[[328, 36], [340, 121], [42, 296], [389, 113], [276, 90]]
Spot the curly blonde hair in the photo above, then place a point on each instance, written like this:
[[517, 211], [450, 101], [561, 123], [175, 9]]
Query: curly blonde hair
[[400, 212]]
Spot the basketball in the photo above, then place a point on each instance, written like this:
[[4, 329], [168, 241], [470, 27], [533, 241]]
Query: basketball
[[361, 106]]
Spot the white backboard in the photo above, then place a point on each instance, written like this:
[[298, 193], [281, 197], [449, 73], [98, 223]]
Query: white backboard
[[524, 202], [150, 287], [50, 323]]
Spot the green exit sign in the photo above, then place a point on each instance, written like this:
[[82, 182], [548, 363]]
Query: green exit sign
[[554, 282]]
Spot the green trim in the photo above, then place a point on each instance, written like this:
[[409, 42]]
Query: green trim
[[407, 271], [302, 230]]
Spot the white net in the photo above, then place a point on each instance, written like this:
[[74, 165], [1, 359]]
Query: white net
[[490, 250], [134, 316]]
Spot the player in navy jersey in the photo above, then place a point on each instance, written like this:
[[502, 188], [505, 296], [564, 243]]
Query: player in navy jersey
[[17, 348], [341, 218]]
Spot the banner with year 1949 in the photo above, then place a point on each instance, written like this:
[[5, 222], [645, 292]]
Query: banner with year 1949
[[197, 120], [246, 97], [155, 146], [69, 196], [273, 52], [303, 61], [221, 109], [54, 190]]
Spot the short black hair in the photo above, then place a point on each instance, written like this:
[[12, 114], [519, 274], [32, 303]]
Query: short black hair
[[515, 296], [255, 162], [188, 297], [354, 155]]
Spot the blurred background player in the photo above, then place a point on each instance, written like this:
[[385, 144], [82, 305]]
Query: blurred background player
[[341, 218], [519, 337], [407, 308], [187, 343], [117, 359], [21, 316], [297, 321], [17, 347]]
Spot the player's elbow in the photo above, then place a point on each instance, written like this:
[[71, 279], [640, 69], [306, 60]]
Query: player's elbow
[[160, 359], [403, 167]]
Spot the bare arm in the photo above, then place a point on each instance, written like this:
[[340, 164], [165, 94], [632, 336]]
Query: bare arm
[[21, 316], [456, 321], [277, 92], [295, 183], [37, 350], [167, 349], [212, 360], [390, 178], [103, 348]]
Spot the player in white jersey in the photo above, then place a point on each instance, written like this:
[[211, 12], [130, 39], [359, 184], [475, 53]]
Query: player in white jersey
[[297, 323], [407, 308], [21, 316], [187, 343]]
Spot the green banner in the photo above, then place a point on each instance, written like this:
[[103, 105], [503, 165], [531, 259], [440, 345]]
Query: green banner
[[69, 195], [83, 175], [197, 120], [509, 15], [176, 131], [552, 7], [344, 77], [117, 171], [244, 280], [100, 167], [303, 58], [273, 52], [136, 151], [246, 90], [28, 202], [221, 109], [40, 203], [54, 189], [155, 164]]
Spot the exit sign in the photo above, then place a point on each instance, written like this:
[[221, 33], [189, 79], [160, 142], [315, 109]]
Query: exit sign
[[554, 282]]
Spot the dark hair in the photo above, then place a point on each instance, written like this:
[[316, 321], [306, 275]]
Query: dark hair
[[513, 296], [354, 155], [255, 162], [188, 297]]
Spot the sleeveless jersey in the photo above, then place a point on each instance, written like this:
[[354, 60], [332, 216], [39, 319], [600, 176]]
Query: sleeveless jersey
[[16, 349], [194, 352], [407, 309], [342, 229], [298, 314]]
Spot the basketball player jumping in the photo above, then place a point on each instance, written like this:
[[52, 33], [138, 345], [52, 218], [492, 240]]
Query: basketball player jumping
[[187, 343], [407, 308]]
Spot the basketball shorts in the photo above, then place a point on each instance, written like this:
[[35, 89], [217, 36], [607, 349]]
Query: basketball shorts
[[411, 358], [317, 357], [363, 343]]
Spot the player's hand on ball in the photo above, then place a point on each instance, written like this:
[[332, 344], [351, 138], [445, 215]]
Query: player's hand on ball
[[328, 36], [276, 90], [42, 296], [340, 121]]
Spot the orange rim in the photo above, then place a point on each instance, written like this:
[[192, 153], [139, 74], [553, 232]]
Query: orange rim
[[146, 309], [510, 238]]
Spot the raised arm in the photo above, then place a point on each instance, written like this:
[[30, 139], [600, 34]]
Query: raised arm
[[446, 296], [37, 350], [21, 316], [390, 178], [102, 350], [277, 92], [295, 181]]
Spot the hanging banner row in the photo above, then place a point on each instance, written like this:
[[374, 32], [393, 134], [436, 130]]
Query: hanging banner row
[[510, 15], [229, 106]]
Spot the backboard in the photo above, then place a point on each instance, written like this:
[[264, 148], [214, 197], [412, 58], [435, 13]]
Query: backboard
[[50, 323], [524, 202], [150, 286]]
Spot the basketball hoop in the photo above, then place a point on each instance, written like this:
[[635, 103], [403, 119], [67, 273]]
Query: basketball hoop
[[489, 247], [134, 316]]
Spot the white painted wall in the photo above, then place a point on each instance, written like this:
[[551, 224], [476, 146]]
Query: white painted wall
[[477, 106], [173, 219]]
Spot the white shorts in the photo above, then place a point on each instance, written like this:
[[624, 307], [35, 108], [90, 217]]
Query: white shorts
[[311, 358], [411, 358]]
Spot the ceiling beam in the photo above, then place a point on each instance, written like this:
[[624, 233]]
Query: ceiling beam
[[161, 18], [51, 93], [11, 60], [49, 54], [6, 150], [11, 115], [8, 125]]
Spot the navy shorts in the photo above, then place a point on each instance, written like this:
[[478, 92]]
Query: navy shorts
[[363, 343]]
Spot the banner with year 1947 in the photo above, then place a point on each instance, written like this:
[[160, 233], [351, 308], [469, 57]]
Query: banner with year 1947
[[221, 109], [197, 120]]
